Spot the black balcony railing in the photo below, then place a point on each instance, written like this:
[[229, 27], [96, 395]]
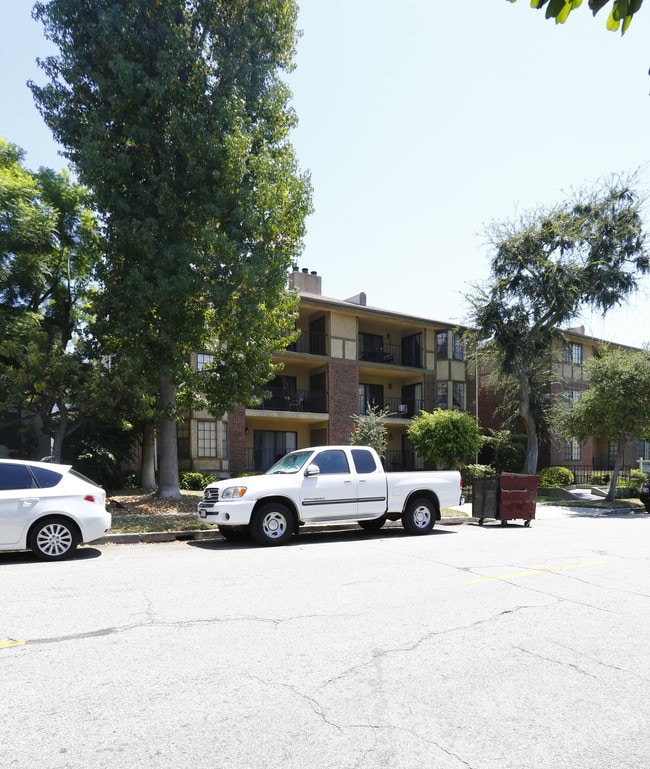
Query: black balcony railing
[[311, 342], [395, 461], [393, 354], [295, 400], [405, 408]]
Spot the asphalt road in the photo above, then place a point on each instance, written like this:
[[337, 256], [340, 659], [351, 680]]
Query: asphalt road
[[493, 647]]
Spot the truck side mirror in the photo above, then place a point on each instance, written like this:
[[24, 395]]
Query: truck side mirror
[[312, 470]]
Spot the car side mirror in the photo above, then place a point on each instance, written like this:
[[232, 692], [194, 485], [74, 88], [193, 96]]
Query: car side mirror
[[312, 470]]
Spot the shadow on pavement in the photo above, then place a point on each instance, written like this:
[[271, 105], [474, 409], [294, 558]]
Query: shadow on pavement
[[317, 536]]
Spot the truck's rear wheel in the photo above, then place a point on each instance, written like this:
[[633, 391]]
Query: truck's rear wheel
[[272, 524], [419, 516]]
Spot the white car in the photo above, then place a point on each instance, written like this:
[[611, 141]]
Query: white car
[[49, 509]]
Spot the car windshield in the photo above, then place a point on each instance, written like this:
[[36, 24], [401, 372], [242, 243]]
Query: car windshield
[[291, 463]]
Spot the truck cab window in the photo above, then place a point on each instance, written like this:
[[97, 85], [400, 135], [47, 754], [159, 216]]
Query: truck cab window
[[332, 462], [364, 462]]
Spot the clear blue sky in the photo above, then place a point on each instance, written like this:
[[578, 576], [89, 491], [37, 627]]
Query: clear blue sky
[[420, 127]]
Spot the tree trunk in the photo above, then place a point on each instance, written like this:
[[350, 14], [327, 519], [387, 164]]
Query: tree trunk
[[530, 426], [168, 487], [618, 463], [59, 435], [147, 461]]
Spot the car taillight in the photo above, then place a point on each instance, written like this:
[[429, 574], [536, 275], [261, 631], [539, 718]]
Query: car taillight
[[90, 498]]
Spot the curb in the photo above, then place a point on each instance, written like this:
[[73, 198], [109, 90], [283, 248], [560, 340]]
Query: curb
[[209, 535]]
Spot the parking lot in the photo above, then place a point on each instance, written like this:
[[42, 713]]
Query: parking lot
[[476, 646]]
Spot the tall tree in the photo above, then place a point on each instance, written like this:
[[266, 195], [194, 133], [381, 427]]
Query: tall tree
[[616, 406], [175, 115], [49, 242], [545, 269], [620, 15]]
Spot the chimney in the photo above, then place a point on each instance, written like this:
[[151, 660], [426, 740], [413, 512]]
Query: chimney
[[359, 299], [305, 281]]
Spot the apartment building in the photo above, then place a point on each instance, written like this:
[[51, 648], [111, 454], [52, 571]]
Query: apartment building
[[348, 355]]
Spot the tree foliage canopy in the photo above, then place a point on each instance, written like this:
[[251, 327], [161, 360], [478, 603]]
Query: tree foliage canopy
[[545, 269], [620, 16], [445, 438], [49, 244], [175, 115]]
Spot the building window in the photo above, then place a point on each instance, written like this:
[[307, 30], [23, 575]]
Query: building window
[[572, 353], [225, 445], [271, 445], [442, 345], [458, 395], [442, 395], [613, 452], [203, 359], [370, 395], [571, 397], [412, 350], [183, 440], [371, 347], [458, 352], [571, 451], [644, 450], [207, 439]]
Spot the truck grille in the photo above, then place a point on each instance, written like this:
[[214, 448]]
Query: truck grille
[[211, 495]]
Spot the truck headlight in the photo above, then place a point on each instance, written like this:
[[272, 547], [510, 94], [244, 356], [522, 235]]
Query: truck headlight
[[233, 492]]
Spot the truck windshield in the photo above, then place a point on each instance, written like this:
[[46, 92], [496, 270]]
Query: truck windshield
[[291, 463]]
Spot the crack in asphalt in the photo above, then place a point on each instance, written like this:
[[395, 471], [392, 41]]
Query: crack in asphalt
[[319, 710], [545, 658]]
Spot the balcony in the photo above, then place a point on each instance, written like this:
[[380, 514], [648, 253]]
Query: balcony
[[405, 408], [311, 342], [373, 349], [295, 400]]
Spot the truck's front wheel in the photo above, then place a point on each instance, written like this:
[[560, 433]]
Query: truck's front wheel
[[419, 516], [272, 524]]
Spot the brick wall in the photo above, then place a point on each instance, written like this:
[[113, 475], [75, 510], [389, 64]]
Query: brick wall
[[237, 439], [428, 391], [343, 400]]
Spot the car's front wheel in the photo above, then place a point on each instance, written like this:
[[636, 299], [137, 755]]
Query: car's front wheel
[[272, 524], [53, 539]]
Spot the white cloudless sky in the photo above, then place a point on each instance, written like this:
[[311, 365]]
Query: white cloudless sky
[[420, 125]]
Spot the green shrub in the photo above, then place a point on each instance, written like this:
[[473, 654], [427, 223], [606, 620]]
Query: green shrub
[[470, 472], [637, 479], [626, 492], [193, 481], [598, 478], [556, 476]]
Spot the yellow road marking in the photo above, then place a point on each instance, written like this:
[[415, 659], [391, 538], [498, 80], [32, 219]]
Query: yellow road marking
[[531, 572], [7, 644]]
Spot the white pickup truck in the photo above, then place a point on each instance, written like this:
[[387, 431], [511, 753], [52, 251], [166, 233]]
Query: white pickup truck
[[327, 484]]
